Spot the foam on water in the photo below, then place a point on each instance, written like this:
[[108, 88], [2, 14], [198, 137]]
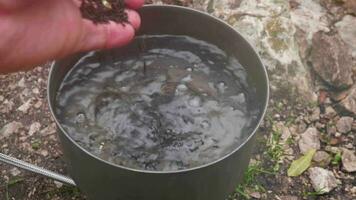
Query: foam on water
[[179, 105]]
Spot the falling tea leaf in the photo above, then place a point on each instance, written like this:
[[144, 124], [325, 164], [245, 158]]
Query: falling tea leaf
[[303, 163]]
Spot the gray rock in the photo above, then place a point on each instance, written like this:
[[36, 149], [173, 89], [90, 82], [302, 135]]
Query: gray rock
[[350, 6], [330, 112], [322, 180], [349, 103], [322, 158], [58, 184], [26, 106], [344, 125], [35, 127], [271, 26], [288, 197], [15, 171], [309, 140], [347, 30], [332, 60], [349, 160], [331, 130], [315, 115], [21, 83], [10, 128]]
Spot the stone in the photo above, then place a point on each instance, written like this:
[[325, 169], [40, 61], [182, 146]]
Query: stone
[[348, 160], [344, 125], [26, 106], [15, 171], [35, 127], [309, 140], [2, 98], [349, 103], [347, 31], [350, 6], [332, 60], [44, 153], [270, 27], [21, 83], [331, 130], [315, 116], [288, 197], [255, 195], [10, 128], [6, 106], [330, 112], [322, 158], [35, 91], [38, 104], [58, 184], [322, 180]]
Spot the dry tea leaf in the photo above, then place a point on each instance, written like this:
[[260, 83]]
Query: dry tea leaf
[[300, 165]]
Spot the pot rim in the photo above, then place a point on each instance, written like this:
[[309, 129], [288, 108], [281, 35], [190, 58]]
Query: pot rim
[[176, 171]]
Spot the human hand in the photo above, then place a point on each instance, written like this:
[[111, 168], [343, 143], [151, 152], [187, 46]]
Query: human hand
[[36, 31]]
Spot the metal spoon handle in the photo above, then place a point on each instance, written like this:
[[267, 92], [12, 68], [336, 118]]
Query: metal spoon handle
[[38, 170]]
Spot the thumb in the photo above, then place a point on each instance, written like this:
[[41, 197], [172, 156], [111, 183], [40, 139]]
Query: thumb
[[105, 36]]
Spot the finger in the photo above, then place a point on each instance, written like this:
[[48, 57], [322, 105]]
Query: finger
[[14, 4], [77, 2], [105, 36], [133, 18], [134, 4]]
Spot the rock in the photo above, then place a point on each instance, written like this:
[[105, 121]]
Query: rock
[[349, 160], [35, 127], [288, 197], [10, 128], [15, 171], [2, 98], [58, 184], [331, 130], [332, 60], [315, 115], [35, 91], [347, 31], [49, 130], [255, 195], [309, 140], [334, 150], [322, 158], [330, 112], [344, 125], [350, 6], [25, 107], [349, 103], [21, 83], [38, 104], [270, 26], [322, 180], [44, 153], [6, 106]]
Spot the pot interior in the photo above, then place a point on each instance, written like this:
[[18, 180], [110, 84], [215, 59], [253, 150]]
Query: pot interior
[[160, 21]]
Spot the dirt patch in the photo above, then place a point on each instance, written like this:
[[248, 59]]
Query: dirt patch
[[103, 11]]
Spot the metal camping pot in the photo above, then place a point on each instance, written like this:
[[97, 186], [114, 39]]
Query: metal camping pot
[[101, 180]]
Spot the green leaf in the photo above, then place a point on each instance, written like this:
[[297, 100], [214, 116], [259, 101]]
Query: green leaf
[[303, 163]]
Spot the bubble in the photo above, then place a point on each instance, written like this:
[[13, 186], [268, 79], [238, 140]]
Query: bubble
[[80, 118], [182, 87], [187, 78], [125, 89], [205, 124], [221, 86], [195, 102]]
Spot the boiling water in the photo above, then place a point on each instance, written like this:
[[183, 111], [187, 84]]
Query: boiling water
[[179, 103]]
